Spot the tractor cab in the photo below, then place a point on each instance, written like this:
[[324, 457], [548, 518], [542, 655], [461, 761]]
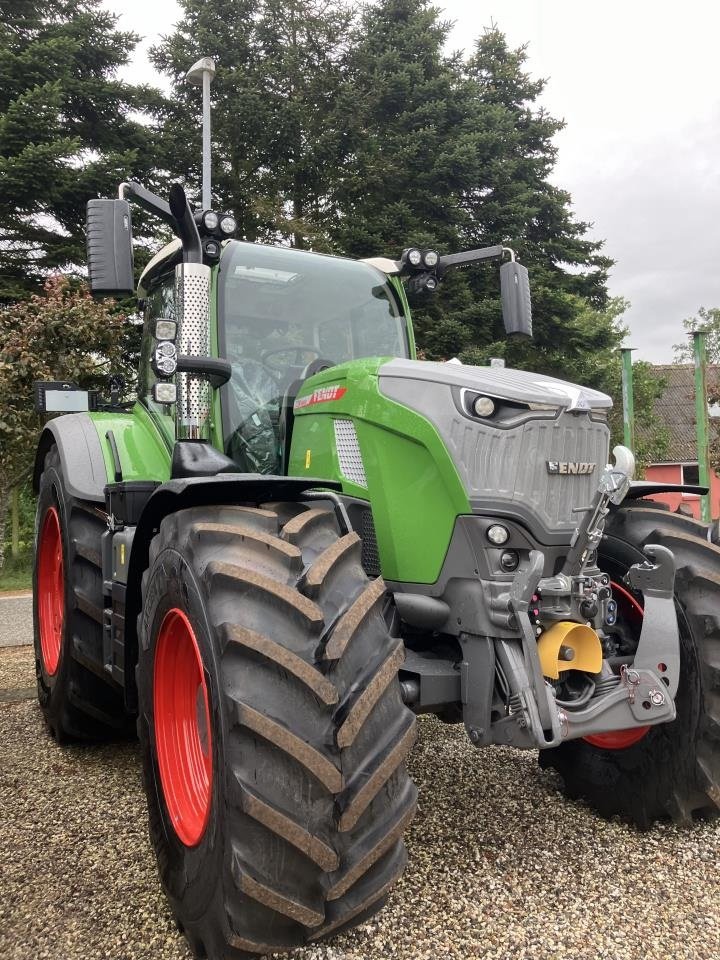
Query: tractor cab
[[282, 316], [279, 316]]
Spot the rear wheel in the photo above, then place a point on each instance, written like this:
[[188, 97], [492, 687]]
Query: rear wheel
[[77, 698], [670, 770], [272, 728]]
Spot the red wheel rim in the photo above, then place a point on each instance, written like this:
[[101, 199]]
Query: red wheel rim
[[50, 590], [622, 739], [182, 728]]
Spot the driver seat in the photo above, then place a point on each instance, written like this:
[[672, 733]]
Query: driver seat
[[287, 416]]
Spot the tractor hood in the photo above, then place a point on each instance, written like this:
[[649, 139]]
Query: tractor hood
[[497, 382]]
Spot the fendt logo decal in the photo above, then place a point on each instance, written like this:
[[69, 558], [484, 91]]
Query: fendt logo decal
[[570, 467], [321, 395]]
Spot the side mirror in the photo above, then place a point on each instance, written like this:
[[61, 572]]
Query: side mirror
[[109, 248], [515, 294]]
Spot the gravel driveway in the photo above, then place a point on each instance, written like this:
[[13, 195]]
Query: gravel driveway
[[500, 865]]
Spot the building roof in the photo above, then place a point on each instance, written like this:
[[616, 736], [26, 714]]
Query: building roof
[[675, 409]]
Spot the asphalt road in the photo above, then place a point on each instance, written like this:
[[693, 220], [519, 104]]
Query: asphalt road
[[15, 619], [501, 866]]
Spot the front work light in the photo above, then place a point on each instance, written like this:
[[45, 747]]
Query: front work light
[[414, 257], [210, 220], [165, 329], [165, 392], [228, 224], [430, 258]]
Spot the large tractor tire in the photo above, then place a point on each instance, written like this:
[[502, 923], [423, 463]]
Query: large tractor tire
[[671, 770], [272, 729], [76, 699]]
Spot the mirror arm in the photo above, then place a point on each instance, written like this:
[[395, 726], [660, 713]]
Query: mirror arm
[[470, 256], [129, 190], [177, 214]]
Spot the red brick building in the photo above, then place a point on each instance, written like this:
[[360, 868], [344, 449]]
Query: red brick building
[[675, 409]]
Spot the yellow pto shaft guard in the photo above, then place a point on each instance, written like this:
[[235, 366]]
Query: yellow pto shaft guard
[[569, 646]]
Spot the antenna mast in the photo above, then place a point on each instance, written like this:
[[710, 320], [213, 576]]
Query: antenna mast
[[201, 75]]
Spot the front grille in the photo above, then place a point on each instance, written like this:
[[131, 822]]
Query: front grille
[[348, 451], [505, 467]]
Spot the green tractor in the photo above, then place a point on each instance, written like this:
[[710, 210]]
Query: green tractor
[[300, 537]]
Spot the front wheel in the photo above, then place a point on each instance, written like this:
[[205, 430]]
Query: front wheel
[[272, 729], [671, 770]]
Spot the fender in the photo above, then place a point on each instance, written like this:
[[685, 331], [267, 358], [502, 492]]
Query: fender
[[179, 494], [81, 456], [647, 488]]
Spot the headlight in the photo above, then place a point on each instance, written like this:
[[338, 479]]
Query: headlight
[[165, 361], [228, 224], [165, 349], [210, 220], [483, 407]]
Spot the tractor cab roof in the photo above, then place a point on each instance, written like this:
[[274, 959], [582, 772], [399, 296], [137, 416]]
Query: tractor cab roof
[[171, 253]]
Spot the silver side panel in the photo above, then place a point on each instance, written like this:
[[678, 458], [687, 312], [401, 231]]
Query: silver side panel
[[192, 292]]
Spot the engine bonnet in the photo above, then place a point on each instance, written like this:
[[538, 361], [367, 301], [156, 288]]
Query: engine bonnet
[[501, 382]]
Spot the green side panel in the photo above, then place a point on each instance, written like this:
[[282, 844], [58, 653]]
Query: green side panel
[[144, 454], [412, 484]]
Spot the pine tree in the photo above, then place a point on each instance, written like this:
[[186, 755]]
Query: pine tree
[[275, 147], [65, 131], [512, 200], [409, 142]]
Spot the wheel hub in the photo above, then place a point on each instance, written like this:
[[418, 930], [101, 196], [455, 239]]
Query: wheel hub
[[182, 728], [50, 589]]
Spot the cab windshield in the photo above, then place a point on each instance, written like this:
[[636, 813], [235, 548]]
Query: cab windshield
[[283, 315]]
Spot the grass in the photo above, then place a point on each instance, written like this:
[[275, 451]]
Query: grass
[[16, 573]]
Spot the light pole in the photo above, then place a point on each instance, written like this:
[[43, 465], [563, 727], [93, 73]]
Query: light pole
[[628, 399], [201, 74], [701, 419]]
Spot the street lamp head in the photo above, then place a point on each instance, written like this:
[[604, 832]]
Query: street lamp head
[[198, 70]]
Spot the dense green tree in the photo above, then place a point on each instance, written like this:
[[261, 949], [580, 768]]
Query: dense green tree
[[58, 334], [458, 154], [67, 131], [513, 200], [707, 319], [276, 147]]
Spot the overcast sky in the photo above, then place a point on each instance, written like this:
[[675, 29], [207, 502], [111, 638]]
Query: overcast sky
[[637, 83]]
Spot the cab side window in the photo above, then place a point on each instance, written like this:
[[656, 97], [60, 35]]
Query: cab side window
[[160, 303]]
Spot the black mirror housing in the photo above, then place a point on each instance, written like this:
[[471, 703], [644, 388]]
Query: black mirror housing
[[515, 294], [109, 248]]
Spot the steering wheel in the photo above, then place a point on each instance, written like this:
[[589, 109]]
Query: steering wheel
[[316, 366], [296, 350]]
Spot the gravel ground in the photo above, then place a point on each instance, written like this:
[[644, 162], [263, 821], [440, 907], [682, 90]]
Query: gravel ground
[[17, 669], [500, 865]]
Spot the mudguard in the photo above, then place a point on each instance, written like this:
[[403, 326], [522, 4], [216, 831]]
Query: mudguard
[[179, 494], [647, 488], [81, 456]]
